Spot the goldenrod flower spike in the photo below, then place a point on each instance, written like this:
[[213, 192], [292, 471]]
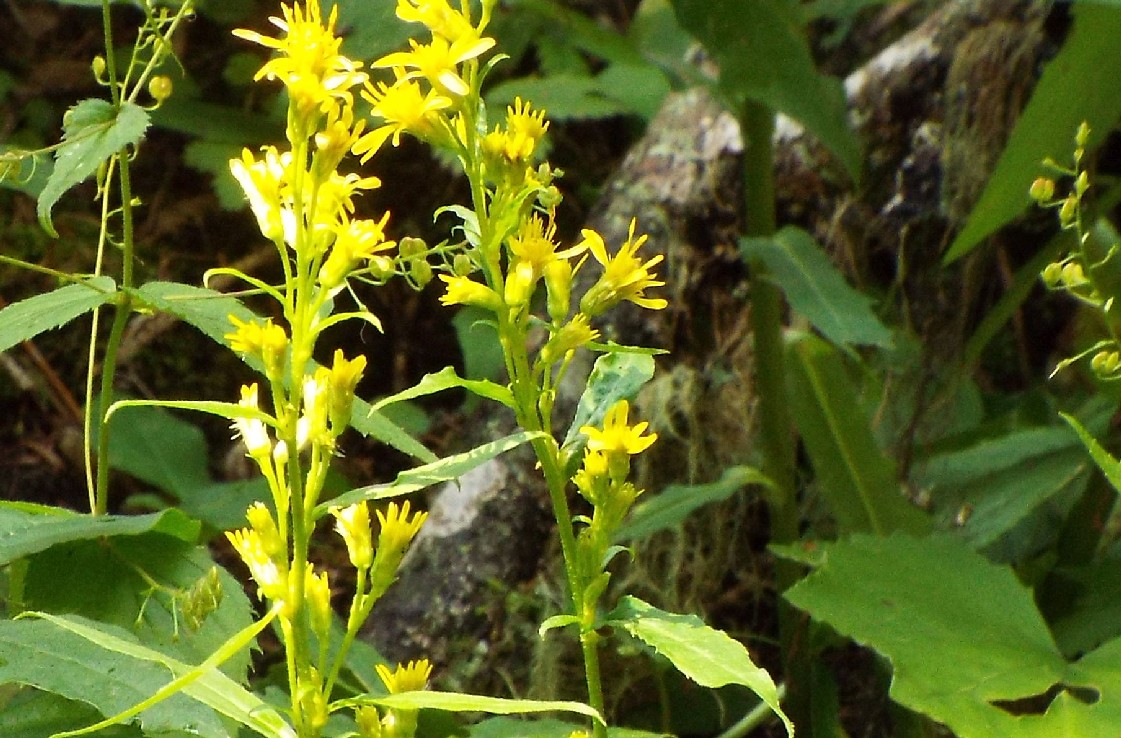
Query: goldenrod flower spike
[[616, 437]]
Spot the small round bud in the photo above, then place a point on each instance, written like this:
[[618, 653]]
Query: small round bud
[[411, 246], [98, 66], [160, 87], [420, 271], [1105, 363], [462, 265], [1042, 189], [1068, 211], [1053, 275], [1072, 274]]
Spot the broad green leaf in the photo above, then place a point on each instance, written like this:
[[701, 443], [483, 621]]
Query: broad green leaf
[[204, 683], [41, 654], [1003, 480], [1109, 466], [26, 319], [1088, 68], [23, 533], [210, 312], [507, 727], [370, 29], [670, 507], [36, 714], [855, 476], [615, 376], [159, 448], [816, 290], [763, 55], [963, 636], [1091, 610], [443, 470], [110, 580], [444, 379], [93, 131], [706, 655], [458, 702]]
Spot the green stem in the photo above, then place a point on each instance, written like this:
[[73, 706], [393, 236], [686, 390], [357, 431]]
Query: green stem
[[589, 646], [123, 309], [760, 715], [775, 424]]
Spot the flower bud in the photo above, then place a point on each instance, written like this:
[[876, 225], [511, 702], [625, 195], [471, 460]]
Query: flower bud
[[317, 590], [369, 721], [462, 265], [261, 521], [1082, 135], [1068, 211], [420, 271], [558, 282], [160, 88], [1082, 183], [1105, 363], [1042, 189], [98, 66], [519, 284], [1053, 275], [1072, 275]]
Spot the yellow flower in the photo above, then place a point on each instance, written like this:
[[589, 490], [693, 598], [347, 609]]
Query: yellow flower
[[576, 333], [317, 589], [261, 521], [616, 437], [466, 291], [312, 425], [397, 531], [438, 61], [339, 133], [624, 277], [355, 240], [353, 524], [342, 379], [409, 677], [271, 581], [265, 184], [438, 16], [267, 341], [309, 63], [405, 109], [253, 430]]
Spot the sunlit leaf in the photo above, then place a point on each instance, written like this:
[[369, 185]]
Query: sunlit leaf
[[26, 319], [707, 656], [93, 131]]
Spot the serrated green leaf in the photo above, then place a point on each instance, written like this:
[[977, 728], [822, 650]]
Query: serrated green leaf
[[458, 702], [442, 470], [23, 533], [1088, 62], [615, 376], [962, 635], [444, 379], [855, 476], [670, 507], [93, 131], [204, 683], [26, 319], [816, 290], [763, 55], [706, 655]]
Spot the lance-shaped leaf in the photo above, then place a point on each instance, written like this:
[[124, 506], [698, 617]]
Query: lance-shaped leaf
[[706, 655], [458, 702], [816, 290], [444, 470], [444, 379], [93, 131], [26, 319], [855, 476], [1089, 63], [763, 54]]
